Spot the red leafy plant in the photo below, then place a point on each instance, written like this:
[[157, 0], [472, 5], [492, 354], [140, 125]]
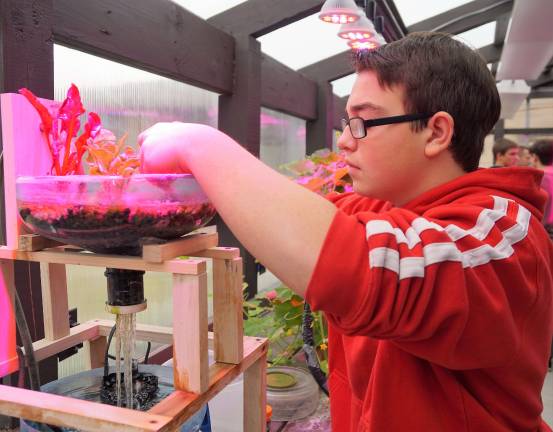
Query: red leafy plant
[[60, 129]]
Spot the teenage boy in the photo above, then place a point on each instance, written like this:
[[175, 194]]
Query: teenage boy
[[505, 153], [435, 277]]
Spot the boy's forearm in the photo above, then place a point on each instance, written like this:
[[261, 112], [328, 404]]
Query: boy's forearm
[[279, 222]]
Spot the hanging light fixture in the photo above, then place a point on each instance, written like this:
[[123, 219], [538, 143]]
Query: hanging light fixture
[[340, 12], [360, 30], [359, 45]]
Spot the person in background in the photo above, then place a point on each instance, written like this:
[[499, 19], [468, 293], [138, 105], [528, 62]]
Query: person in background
[[525, 158], [434, 276], [505, 153], [542, 152]]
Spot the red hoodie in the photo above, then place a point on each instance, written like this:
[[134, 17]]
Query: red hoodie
[[440, 312]]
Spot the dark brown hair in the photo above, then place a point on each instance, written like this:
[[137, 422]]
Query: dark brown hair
[[439, 73], [543, 149], [501, 146]]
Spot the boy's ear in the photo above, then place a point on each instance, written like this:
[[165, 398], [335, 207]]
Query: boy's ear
[[441, 126]]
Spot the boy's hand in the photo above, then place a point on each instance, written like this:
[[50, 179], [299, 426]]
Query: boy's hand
[[161, 147]]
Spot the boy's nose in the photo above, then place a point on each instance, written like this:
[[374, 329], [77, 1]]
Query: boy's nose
[[346, 141]]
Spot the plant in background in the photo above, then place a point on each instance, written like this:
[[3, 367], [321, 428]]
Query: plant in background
[[60, 129], [322, 172], [277, 315]]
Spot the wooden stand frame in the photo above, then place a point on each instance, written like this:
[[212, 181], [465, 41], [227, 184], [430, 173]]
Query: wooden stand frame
[[25, 153], [195, 382]]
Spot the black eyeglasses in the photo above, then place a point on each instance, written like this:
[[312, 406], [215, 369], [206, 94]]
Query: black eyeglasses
[[358, 126]]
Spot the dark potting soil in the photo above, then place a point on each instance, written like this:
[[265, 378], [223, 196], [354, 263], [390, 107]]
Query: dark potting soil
[[114, 230]]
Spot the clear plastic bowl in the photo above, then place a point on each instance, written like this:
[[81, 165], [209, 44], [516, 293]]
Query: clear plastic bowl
[[112, 214]]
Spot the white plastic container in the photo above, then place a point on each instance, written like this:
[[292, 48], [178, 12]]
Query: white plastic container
[[294, 393]]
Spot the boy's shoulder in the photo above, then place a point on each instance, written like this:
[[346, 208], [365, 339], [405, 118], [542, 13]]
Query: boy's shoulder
[[352, 203]]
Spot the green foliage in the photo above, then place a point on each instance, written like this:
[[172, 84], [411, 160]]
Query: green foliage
[[277, 316]]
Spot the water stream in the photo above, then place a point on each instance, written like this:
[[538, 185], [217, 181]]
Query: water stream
[[124, 347]]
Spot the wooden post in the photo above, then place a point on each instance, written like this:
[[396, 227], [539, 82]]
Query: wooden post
[[255, 396], [95, 351], [8, 355], [190, 360], [319, 133], [228, 327], [27, 50], [54, 300]]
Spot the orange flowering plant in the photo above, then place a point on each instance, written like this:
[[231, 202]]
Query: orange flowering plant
[[322, 172]]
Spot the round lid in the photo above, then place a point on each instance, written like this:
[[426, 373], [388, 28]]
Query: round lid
[[280, 380]]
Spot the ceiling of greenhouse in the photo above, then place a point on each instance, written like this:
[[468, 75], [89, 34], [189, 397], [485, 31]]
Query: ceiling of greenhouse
[[207, 8], [309, 41]]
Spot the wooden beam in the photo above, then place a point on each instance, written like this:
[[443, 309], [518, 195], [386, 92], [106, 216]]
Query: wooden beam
[[259, 17], [27, 60], [331, 68], [228, 325], [541, 93], [239, 115], [545, 78], [529, 131], [394, 28], [339, 106], [319, 133], [285, 90], [491, 53], [464, 17], [157, 36], [59, 256]]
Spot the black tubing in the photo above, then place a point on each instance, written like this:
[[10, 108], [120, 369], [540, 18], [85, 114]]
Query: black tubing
[[309, 349], [25, 334]]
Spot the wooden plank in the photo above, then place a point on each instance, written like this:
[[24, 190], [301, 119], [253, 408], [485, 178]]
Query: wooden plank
[[8, 355], [181, 405], [75, 413], [190, 360], [464, 17], [239, 113], [90, 416], [227, 310], [219, 253], [144, 332], [45, 348], [55, 305], [180, 45], [95, 352], [286, 90], [27, 51], [255, 395], [35, 242], [331, 68], [491, 53], [185, 246], [20, 124], [58, 256], [259, 17], [339, 105], [320, 131]]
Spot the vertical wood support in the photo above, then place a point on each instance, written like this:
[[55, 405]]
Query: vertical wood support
[[255, 396], [228, 326], [95, 351], [190, 359], [239, 117], [55, 305], [27, 60], [8, 355], [319, 132]]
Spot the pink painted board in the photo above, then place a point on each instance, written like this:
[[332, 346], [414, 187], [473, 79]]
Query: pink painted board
[[25, 152]]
